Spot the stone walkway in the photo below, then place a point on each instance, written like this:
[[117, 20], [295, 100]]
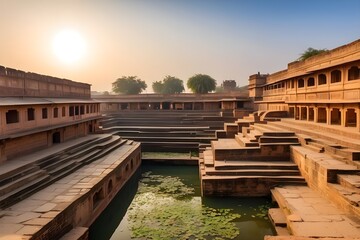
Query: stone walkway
[[25, 218], [310, 215]]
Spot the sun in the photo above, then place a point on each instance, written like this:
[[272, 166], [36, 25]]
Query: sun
[[69, 46]]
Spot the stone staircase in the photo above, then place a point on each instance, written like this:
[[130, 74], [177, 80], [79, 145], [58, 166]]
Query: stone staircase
[[331, 156], [255, 160], [328, 158], [304, 212], [29, 177], [178, 131]]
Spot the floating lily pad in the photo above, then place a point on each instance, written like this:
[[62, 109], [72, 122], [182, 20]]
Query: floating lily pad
[[166, 208]]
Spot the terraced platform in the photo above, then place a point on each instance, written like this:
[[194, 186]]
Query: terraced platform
[[179, 131], [41, 192], [250, 164], [304, 212]]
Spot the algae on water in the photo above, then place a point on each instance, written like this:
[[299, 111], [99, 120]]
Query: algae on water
[[166, 208]]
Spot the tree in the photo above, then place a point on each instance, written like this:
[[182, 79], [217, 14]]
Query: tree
[[201, 83], [128, 85], [157, 86], [310, 52], [169, 85]]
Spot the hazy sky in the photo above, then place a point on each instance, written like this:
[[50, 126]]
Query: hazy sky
[[225, 39]]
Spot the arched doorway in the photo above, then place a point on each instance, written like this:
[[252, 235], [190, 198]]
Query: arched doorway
[[56, 137]]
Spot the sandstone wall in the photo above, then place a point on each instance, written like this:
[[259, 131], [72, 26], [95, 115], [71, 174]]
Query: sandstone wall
[[15, 83]]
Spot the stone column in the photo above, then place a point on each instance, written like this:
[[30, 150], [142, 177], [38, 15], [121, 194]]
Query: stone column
[[357, 111], [328, 115], [315, 114], [343, 116], [308, 113]]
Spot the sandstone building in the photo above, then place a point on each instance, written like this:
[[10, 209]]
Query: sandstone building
[[37, 111], [301, 146], [322, 89], [58, 171]]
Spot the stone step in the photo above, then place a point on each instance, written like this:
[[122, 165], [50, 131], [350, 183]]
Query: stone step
[[322, 131], [77, 149], [277, 217], [314, 148], [208, 158], [267, 128], [255, 165], [22, 192], [17, 173], [316, 144], [310, 215], [278, 139], [251, 172], [326, 165], [19, 182], [246, 142], [348, 194], [55, 171], [284, 180], [104, 150], [86, 151], [351, 181]]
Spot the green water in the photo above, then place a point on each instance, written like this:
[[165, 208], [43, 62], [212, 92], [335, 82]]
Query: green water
[[172, 208]]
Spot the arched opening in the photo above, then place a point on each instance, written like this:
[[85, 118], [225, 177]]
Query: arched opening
[[31, 114], [118, 174], [311, 114], [90, 128], [12, 116], [56, 137], [350, 116], [166, 105], [97, 197], [311, 82], [199, 106], [353, 73], [301, 83], [321, 79], [188, 106], [123, 106], [335, 116], [321, 115], [110, 186], [55, 112], [132, 164], [303, 113], [335, 76], [292, 112]]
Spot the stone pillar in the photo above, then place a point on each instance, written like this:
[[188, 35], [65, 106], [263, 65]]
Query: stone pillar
[[315, 114], [343, 116], [328, 115], [307, 113], [357, 111]]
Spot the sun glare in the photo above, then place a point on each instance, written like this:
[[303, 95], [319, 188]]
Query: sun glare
[[69, 46]]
